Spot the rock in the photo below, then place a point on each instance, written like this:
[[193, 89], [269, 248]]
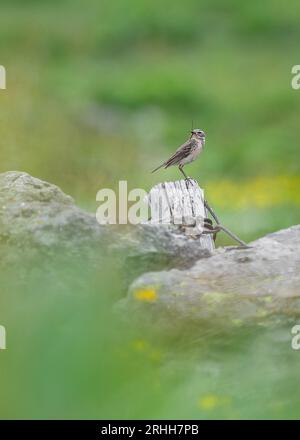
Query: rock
[[150, 247], [38, 217], [231, 287], [38, 214]]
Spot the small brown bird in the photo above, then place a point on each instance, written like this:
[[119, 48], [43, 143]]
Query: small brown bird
[[187, 153]]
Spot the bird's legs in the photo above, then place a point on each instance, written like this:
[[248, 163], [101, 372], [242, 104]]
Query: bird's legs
[[186, 178]]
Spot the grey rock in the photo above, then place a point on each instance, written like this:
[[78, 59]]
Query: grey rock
[[180, 282], [231, 287], [149, 247], [37, 217], [34, 213]]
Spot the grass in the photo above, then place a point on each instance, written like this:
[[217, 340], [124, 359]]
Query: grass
[[69, 355]]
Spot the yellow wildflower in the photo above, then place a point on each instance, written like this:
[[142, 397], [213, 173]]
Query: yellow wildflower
[[149, 295]]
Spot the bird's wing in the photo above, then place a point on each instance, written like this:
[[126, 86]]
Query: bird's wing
[[182, 152]]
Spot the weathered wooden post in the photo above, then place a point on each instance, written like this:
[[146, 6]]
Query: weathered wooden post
[[182, 203]]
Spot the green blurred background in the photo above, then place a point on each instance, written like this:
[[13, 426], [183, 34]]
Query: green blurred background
[[102, 91]]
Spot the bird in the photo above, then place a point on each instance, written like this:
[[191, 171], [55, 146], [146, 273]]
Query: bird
[[186, 153]]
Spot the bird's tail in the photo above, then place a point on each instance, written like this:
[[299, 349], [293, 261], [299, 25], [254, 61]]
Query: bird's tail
[[160, 166]]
